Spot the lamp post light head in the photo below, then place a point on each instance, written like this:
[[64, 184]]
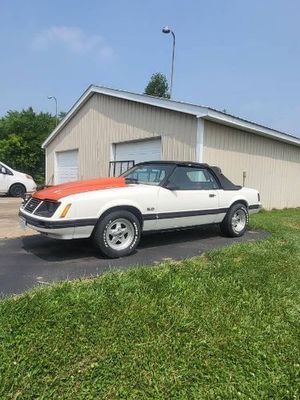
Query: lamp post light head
[[55, 99], [166, 29]]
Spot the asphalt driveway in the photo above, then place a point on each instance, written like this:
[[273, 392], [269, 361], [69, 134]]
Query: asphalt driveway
[[35, 260]]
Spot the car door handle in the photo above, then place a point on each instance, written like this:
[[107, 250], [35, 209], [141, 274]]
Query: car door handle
[[212, 195]]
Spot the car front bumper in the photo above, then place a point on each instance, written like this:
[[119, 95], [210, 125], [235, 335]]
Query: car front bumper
[[48, 228], [254, 208], [59, 229], [30, 187]]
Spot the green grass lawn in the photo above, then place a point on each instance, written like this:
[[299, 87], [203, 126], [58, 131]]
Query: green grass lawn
[[221, 326]]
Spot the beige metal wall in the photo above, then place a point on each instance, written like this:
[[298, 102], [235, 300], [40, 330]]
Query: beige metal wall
[[104, 120], [272, 167]]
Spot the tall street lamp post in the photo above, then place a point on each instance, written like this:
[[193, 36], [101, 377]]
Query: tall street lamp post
[[55, 99], [167, 30]]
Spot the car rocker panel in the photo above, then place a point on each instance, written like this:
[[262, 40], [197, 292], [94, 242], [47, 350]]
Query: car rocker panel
[[160, 195]]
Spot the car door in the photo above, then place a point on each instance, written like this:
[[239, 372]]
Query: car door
[[190, 197], [4, 179]]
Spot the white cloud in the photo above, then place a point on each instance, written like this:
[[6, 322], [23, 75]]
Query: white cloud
[[74, 40]]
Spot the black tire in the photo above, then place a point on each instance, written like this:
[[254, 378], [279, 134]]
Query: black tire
[[232, 225], [115, 222], [17, 190]]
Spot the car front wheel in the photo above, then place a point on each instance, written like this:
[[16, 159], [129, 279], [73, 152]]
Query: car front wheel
[[235, 221], [17, 190], [117, 234]]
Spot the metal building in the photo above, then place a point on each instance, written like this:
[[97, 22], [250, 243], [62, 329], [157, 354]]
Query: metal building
[[107, 130]]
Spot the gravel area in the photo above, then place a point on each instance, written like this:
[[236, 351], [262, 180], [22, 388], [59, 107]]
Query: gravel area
[[9, 220]]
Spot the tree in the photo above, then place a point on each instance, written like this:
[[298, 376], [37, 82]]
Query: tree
[[21, 136], [61, 115], [158, 86]]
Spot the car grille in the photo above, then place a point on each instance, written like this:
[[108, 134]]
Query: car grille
[[32, 204]]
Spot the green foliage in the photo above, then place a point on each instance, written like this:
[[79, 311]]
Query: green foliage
[[221, 326], [21, 136], [158, 86], [62, 115]]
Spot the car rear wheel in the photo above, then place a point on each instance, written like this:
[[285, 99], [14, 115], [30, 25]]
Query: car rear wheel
[[117, 234], [235, 221], [17, 190]]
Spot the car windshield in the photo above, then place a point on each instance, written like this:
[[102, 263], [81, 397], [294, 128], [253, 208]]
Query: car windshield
[[148, 174], [5, 166]]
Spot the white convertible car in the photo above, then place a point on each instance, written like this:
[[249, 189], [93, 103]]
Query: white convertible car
[[151, 196]]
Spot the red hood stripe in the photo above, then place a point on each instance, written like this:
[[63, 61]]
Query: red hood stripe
[[66, 189]]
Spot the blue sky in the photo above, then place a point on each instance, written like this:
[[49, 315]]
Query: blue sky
[[235, 55]]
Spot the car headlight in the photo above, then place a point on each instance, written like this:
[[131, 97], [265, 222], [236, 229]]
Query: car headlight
[[47, 208]]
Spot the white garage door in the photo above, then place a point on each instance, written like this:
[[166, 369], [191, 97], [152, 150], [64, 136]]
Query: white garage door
[[67, 166], [144, 150]]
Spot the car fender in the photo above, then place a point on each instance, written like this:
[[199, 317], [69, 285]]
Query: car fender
[[119, 203], [238, 199]]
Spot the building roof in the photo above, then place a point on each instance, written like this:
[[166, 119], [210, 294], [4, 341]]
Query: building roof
[[207, 113]]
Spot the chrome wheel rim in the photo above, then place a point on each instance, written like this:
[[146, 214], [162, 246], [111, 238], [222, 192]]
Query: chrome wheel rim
[[238, 221], [119, 234]]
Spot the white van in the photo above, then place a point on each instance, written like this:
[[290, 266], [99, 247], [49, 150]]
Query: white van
[[15, 183]]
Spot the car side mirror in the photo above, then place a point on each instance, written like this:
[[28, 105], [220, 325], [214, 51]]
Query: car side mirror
[[3, 170]]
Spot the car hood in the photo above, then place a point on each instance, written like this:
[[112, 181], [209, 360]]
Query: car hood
[[66, 189]]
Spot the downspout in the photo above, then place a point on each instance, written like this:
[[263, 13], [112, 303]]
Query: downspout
[[199, 138]]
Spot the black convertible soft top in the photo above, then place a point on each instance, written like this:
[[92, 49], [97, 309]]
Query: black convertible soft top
[[224, 182]]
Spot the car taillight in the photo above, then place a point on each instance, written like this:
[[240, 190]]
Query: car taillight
[[29, 177], [258, 196]]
